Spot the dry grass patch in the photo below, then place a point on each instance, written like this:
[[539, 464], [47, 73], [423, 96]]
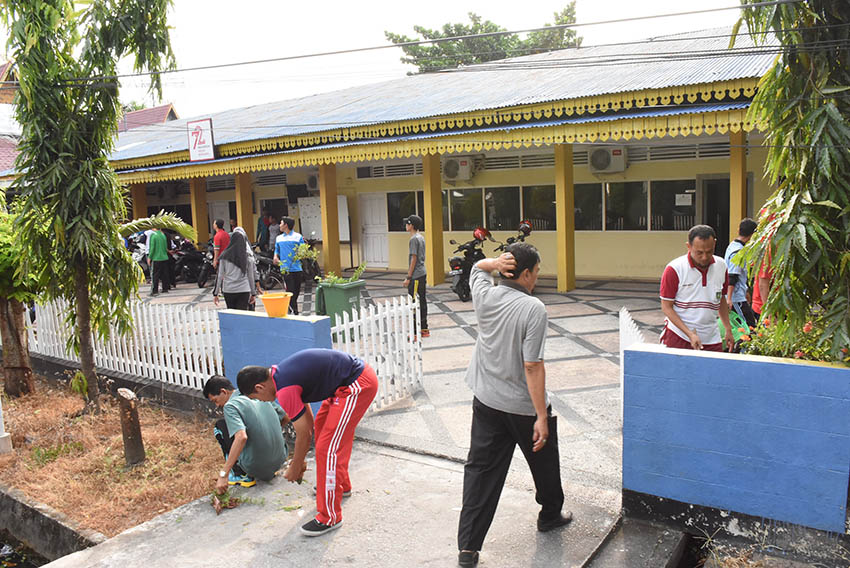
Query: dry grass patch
[[76, 465]]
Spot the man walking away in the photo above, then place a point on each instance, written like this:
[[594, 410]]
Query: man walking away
[[158, 256], [285, 247], [220, 241], [693, 292], [510, 407], [737, 295], [416, 275]]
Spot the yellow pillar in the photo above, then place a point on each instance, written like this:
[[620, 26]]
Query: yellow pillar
[[330, 218], [432, 185], [245, 204], [737, 181], [140, 200], [198, 199], [565, 217]]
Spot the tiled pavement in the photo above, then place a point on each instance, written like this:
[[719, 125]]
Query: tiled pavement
[[582, 358]]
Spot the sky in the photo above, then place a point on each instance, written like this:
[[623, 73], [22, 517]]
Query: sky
[[209, 32]]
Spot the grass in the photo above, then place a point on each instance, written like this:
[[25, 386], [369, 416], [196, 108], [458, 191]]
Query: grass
[[76, 465]]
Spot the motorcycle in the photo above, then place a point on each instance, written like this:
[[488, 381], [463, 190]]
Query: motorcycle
[[138, 250], [523, 232], [267, 272], [188, 260], [311, 267], [207, 269], [461, 266]]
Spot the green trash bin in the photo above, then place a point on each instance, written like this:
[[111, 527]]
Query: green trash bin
[[334, 299]]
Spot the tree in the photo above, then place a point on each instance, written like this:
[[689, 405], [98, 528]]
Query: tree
[[68, 108], [132, 106], [16, 288], [451, 54], [803, 106]]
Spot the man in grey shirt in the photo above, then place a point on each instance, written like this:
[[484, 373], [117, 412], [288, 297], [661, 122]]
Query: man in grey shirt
[[415, 280], [510, 407]]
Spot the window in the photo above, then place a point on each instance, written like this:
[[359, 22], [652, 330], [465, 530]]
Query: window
[[364, 172], [625, 206], [400, 204], [588, 206], [502, 208], [466, 209], [538, 206], [673, 204], [445, 210]]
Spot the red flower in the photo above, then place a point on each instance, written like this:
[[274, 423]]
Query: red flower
[[808, 327], [798, 354]]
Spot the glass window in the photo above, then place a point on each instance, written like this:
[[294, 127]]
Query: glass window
[[445, 210], [400, 204], [625, 206], [502, 208], [420, 206], [467, 213], [588, 206], [673, 204], [538, 206]]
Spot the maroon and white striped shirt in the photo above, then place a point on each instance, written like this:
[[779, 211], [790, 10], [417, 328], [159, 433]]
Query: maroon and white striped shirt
[[696, 295]]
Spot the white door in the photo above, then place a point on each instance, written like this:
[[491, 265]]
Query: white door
[[219, 210], [374, 245]]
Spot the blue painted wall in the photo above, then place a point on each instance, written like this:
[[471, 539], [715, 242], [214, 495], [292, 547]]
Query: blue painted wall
[[759, 436], [250, 338]]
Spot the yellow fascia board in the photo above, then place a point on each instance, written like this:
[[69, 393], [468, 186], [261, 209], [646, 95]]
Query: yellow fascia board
[[703, 92], [709, 123], [155, 160]]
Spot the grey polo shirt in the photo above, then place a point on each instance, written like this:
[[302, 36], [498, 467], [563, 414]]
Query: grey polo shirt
[[417, 247], [511, 330]]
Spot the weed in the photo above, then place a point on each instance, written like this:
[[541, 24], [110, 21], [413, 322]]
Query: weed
[[43, 456]]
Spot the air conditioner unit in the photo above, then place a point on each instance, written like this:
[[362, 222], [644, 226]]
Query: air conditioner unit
[[459, 168], [166, 193], [313, 182], [607, 159]]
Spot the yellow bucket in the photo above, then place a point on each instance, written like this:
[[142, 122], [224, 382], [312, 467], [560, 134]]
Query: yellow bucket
[[276, 304]]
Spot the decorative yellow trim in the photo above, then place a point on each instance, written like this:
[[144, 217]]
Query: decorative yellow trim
[[700, 93], [155, 160], [625, 129]]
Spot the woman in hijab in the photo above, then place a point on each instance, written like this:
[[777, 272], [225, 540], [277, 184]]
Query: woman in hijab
[[236, 275], [253, 260]]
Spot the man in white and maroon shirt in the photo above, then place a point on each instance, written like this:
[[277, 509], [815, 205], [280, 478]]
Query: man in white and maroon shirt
[[693, 292]]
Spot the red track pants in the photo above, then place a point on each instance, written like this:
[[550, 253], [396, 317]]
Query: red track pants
[[335, 424]]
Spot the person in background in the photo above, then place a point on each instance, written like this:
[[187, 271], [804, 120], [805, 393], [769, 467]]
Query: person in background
[[263, 231], [236, 276], [273, 230], [158, 257], [220, 241], [737, 295], [286, 245], [252, 260], [416, 275], [233, 225]]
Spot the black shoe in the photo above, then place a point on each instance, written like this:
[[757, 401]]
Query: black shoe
[[315, 528], [467, 558], [154, 294], [546, 525]]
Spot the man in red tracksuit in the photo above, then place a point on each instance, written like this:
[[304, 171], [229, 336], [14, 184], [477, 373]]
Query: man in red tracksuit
[[346, 386]]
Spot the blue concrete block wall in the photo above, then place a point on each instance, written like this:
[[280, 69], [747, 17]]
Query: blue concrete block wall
[[764, 437], [250, 338]]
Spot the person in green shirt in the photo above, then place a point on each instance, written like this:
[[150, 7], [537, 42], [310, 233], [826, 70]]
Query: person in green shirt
[[158, 259]]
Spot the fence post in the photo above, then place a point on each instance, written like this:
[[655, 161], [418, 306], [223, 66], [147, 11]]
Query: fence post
[[5, 439]]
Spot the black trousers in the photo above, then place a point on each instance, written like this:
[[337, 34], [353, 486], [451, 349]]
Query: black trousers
[[495, 434], [159, 273], [225, 440], [293, 282], [237, 301], [423, 305]]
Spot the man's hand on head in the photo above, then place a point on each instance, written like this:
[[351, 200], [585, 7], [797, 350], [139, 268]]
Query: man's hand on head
[[505, 264]]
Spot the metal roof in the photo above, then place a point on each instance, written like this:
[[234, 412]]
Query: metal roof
[[648, 113], [685, 59]]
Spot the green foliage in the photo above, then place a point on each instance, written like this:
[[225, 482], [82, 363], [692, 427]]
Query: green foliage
[[803, 107], [809, 342], [68, 108], [331, 278], [451, 54], [161, 220], [43, 456], [305, 252], [79, 385], [16, 283]]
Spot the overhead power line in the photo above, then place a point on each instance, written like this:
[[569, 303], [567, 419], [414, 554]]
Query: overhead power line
[[433, 41]]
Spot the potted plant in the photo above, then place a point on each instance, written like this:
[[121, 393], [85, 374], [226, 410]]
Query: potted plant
[[337, 294]]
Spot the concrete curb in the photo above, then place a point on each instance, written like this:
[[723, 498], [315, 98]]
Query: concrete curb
[[43, 529]]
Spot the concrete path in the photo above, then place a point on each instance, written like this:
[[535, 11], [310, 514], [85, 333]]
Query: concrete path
[[407, 465]]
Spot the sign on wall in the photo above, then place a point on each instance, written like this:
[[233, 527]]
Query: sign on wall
[[200, 134]]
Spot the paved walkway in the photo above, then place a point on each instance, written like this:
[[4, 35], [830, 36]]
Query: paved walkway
[[407, 467]]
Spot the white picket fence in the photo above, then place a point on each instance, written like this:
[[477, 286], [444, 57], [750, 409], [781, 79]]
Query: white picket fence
[[630, 334], [179, 345], [386, 336]]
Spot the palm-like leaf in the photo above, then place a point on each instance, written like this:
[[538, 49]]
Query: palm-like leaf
[[161, 220]]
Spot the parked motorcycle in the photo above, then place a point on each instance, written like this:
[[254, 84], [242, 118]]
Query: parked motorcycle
[[136, 244], [311, 267], [523, 232], [461, 266], [188, 260], [268, 273], [207, 269]]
